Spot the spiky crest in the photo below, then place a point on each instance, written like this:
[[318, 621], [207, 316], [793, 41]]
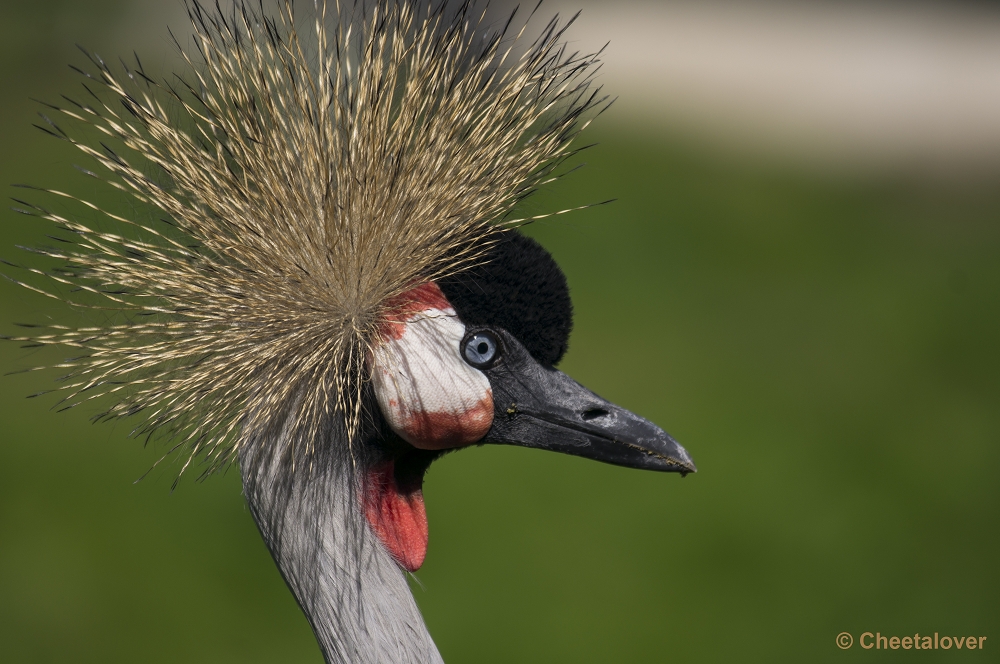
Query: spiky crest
[[306, 181]]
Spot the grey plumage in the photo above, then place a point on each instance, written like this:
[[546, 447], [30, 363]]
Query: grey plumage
[[354, 594]]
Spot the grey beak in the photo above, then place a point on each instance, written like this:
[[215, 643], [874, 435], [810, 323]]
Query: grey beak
[[540, 407]]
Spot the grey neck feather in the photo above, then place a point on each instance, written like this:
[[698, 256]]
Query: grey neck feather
[[353, 593]]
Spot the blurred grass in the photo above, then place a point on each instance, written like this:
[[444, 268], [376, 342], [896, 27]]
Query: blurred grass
[[826, 350]]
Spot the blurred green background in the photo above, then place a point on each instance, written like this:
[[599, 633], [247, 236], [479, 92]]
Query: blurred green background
[[826, 347]]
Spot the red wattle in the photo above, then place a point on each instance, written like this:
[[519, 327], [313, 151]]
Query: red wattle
[[399, 520]]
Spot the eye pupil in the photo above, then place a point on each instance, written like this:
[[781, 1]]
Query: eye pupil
[[481, 349]]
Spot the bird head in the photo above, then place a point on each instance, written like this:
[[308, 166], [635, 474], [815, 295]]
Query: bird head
[[324, 281], [470, 360]]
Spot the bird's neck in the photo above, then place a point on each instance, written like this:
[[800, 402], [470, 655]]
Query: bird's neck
[[353, 593]]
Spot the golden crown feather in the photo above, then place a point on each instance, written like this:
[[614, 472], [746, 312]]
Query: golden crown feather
[[304, 179]]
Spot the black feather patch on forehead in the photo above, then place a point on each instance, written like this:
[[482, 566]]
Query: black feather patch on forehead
[[521, 289]]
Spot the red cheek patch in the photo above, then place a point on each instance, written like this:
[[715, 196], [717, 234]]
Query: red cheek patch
[[399, 520], [442, 430], [429, 395], [403, 307]]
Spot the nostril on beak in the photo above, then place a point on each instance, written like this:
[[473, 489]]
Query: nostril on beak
[[592, 414]]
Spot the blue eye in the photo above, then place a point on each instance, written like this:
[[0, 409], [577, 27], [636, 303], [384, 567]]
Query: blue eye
[[481, 349]]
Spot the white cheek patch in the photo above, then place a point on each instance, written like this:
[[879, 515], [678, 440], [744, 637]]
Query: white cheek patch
[[427, 393]]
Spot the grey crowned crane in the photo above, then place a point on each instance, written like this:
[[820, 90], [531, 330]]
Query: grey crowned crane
[[332, 291]]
